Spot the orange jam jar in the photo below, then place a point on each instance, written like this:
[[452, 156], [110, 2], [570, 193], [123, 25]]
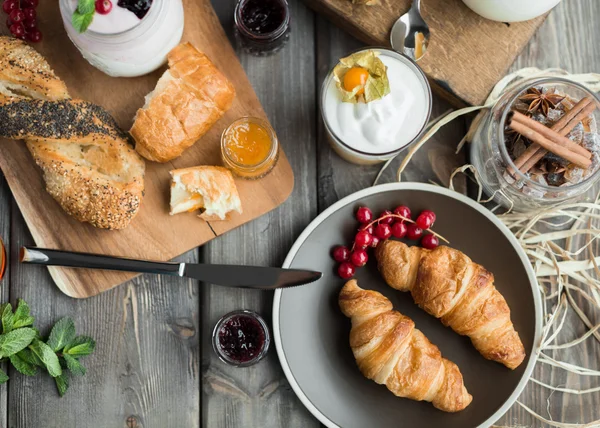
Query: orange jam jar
[[249, 147]]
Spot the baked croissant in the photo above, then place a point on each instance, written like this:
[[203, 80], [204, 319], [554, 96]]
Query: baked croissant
[[448, 285], [392, 352]]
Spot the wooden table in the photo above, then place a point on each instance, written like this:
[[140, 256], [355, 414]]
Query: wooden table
[[154, 366]]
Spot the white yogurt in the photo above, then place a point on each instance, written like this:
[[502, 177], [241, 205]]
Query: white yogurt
[[116, 21], [122, 45], [385, 125]]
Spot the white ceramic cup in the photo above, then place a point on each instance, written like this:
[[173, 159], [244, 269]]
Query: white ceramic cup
[[511, 10]]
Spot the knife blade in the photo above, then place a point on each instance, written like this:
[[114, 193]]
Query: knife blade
[[257, 277]]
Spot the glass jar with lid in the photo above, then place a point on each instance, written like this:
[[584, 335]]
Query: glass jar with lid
[[531, 190], [128, 42]]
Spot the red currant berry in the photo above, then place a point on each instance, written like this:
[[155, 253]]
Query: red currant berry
[[359, 258], [368, 229], [9, 22], [30, 24], [30, 3], [103, 6], [403, 211], [399, 230], [29, 13], [346, 270], [430, 241], [17, 16], [424, 221], [363, 239], [374, 242], [17, 30], [364, 215], [387, 220], [340, 253], [430, 214], [413, 232], [383, 231], [34, 36], [9, 5]]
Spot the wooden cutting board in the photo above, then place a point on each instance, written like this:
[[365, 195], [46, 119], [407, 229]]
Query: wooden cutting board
[[154, 234], [467, 54]]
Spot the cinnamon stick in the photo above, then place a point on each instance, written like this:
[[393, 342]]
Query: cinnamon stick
[[548, 133], [564, 151], [535, 152]]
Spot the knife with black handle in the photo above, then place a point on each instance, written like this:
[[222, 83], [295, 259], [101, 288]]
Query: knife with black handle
[[263, 278]]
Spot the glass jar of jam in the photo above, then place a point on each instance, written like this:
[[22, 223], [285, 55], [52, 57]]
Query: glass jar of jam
[[241, 338], [249, 147], [262, 26]]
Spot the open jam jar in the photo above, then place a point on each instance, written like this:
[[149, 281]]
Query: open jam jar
[[249, 147], [241, 338], [262, 26]]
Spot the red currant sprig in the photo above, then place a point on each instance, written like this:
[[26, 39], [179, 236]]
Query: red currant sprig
[[372, 231], [22, 19]]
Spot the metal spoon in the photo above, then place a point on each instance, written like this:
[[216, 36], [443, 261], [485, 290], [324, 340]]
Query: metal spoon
[[404, 32]]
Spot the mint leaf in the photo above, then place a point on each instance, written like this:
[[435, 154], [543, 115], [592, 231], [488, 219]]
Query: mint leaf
[[62, 334], [80, 346], [7, 318], [23, 366], [86, 6], [3, 377], [62, 384], [29, 357], [22, 317], [47, 356], [81, 22], [74, 366], [15, 341]]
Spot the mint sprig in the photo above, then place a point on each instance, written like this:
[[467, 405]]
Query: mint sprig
[[22, 346], [83, 15]]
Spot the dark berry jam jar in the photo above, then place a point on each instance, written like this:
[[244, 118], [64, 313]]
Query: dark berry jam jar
[[241, 338], [262, 26]]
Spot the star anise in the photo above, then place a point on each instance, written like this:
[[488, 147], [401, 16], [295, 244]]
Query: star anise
[[537, 100]]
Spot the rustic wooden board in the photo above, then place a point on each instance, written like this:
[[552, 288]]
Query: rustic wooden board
[[467, 54], [153, 234]]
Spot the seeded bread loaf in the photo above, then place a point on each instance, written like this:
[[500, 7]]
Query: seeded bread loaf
[[87, 161]]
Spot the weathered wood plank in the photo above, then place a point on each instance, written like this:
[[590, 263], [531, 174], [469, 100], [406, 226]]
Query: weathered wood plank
[[563, 41], [260, 395], [146, 362]]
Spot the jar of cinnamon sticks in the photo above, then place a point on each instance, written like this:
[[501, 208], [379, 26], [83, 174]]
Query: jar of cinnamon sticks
[[539, 145]]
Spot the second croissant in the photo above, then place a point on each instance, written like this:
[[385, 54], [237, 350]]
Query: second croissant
[[447, 284], [391, 351]]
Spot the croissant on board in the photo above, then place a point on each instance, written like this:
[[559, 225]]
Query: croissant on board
[[449, 285], [392, 352]]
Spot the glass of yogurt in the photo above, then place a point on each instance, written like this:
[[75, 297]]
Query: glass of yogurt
[[373, 132], [128, 41]]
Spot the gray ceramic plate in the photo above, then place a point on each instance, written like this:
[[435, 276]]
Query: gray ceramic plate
[[311, 333]]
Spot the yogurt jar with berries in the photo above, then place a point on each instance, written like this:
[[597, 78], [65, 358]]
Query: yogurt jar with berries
[[124, 38]]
